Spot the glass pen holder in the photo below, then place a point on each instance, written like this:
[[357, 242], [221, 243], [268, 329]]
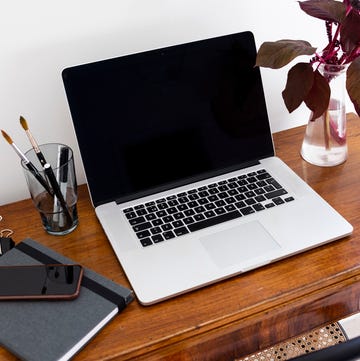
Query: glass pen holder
[[51, 180]]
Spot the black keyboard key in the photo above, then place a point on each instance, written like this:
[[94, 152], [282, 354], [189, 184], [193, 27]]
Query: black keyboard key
[[130, 215], [209, 214], [168, 219], [155, 230], [220, 210], [203, 201], [182, 207], [260, 198], [141, 212], [276, 193], [223, 195], [143, 234], [157, 222], [230, 200], [258, 207], [199, 217], [189, 212], [203, 194], [269, 205], [142, 226], [240, 197], [263, 176], [214, 220], [251, 179], [199, 209], [230, 207], [151, 209], [150, 216], [289, 199], [183, 200], [220, 203], [163, 206], [168, 235], [157, 238], [177, 224], [274, 183], [240, 204], [259, 191], [180, 231], [269, 188], [188, 220], [179, 215], [167, 227], [247, 210], [278, 201], [250, 194], [213, 191], [210, 206], [193, 204], [161, 214], [146, 242], [172, 210], [137, 220], [250, 201], [213, 198], [193, 197]]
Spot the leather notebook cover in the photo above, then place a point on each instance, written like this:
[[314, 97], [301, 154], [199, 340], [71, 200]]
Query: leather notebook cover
[[56, 330]]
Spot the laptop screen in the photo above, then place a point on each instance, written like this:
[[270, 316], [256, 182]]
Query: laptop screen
[[158, 119]]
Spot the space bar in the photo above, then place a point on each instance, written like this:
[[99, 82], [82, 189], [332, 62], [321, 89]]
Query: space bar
[[214, 220]]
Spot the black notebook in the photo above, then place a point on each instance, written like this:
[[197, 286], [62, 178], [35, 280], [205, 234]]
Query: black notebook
[[56, 330]]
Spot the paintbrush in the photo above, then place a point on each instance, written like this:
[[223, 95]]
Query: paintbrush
[[33, 142], [28, 164]]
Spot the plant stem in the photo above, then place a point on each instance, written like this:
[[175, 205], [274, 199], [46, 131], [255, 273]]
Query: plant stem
[[326, 117]]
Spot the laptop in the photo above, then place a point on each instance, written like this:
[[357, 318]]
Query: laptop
[[181, 169]]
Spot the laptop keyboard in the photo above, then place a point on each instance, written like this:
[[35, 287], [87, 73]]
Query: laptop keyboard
[[181, 213]]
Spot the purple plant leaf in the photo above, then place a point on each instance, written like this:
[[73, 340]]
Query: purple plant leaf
[[353, 83], [279, 53], [350, 32], [300, 80], [318, 97], [328, 10]]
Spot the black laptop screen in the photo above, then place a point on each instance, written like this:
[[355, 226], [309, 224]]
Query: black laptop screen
[[166, 117]]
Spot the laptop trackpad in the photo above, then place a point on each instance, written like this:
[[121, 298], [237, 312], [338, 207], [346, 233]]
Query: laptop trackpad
[[239, 244]]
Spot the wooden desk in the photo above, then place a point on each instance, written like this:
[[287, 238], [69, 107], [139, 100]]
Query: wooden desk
[[237, 316]]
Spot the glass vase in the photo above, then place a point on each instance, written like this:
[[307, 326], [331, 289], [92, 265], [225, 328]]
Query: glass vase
[[324, 142]]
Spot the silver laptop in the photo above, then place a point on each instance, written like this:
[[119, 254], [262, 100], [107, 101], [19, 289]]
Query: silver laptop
[[180, 164]]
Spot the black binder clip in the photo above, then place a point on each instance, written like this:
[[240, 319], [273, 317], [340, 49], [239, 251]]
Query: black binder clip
[[6, 242]]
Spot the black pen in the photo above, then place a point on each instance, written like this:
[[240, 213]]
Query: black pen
[[57, 191], [63, 174], [28, 164]]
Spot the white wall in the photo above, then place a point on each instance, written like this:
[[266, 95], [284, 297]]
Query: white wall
[[39, 38]]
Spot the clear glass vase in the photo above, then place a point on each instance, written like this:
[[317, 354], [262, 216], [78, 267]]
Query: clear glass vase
[[324, 142]]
